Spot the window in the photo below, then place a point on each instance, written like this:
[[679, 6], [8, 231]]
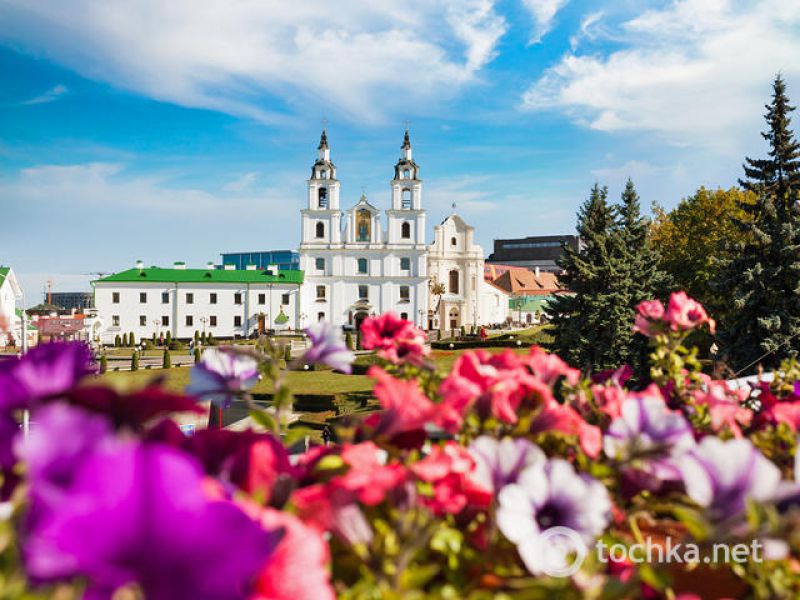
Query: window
[[406, 199], [405, 231], [212, 298], [262, 298], [320, 292], [363, 225], [320, 264], [165, 321], [453, 241], [142, 297], [323, 174], [237, 321], [321, 316], [363, 292], [189, 298], [404, 316], [405, 264], [164, 297], [237, 298], [189, 320], [320, 229], [115, 320], [362, 266], [405, 293], [285, 299], [115, 297], [322, 197], [406, 174], [454, 281], [212, 321], [142, 321]]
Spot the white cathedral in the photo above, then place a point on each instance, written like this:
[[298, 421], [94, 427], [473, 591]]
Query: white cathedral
[[358, 267]]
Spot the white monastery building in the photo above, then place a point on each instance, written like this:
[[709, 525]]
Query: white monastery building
[[353, 263], [354, 267]]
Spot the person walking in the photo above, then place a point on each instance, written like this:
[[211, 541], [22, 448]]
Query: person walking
[[483, 334]]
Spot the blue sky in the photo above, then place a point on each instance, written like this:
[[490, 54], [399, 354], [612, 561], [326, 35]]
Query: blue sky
[[178, 130]]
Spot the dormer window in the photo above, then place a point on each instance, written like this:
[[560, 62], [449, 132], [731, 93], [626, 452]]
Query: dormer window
[[322, 196], [406, 198]]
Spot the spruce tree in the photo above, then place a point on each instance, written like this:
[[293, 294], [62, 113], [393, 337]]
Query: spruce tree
[[583, 329], [762, 282], [117, 341], [135, 361], [124, 340], [166, 360]]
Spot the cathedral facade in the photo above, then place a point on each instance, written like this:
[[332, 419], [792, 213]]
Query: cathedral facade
[[357, 263]]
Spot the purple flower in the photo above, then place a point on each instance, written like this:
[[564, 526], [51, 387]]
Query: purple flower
[[721, 476], [500, 462], [551, 495], [43, 373], [328, 347], [647, 434], [139, 513], [221, 376]]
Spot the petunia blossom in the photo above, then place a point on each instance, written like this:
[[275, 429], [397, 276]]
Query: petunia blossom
[[500, 462], [547, 495], [395, 339], [221, 376], [724, 406], [564, 419], [405, 407], [722, 475], [328, 347], [649, 314], [684, 313]]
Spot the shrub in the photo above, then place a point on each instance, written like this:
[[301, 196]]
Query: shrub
[[287, 352], [132, 339], [124, 340], [166, 361], [117, 341], [168, 339], [348, 340], [210, 340], [197, 355], [135, 361], [176, 345], [103, 363], [439, 334], [203, 338]]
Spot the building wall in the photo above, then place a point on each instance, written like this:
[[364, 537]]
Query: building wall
[[130, 309], [494, 306]]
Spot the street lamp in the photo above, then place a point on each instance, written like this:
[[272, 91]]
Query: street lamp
[[156, 323], [421, 319], [204, 320]]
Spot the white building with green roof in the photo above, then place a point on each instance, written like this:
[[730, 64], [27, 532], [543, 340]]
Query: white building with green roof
[[10, 321], [227, 303]]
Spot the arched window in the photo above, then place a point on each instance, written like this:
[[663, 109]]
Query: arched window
[[321, 316], [363, 225], [453, 241], [322, 196], [405, 230], [406, 198], [323, 174], [406, 174], [362, 266], [320, 229], [454, 281]]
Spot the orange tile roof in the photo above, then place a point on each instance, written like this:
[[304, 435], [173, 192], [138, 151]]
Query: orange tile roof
[[526, 283]]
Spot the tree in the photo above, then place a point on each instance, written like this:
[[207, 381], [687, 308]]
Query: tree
[[117, 341], [583, 328], [135, 361], [154, 338], [287, 352], [196, 336], [168, 339], [103, 363], [166, 360], [762, 281], [132, 339], [197, 355], [124, 340], [348, 340], [698, 236], [437, 290]]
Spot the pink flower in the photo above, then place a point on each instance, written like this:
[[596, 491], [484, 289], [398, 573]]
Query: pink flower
[[368, 479], [549, 367], [648, 312], [298, 568], [495, 384], [684, 313], [775, 410], [724, 406], [452, 472], [609, 399], [565, 419], [396, 340], [406, 408]]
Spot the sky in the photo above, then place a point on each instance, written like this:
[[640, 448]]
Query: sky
[[166, 131]]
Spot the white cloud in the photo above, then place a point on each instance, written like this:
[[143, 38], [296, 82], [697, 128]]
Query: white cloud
[[544, 14], [54, 93], [360, 58], [697, 72], [586, 29]]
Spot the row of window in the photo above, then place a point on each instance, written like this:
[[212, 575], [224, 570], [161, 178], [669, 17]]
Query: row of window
[[189, 297], [405, 230], [363, 292], [188, 320], [322, 198], [321, 316], [556, 244], [362, 265]]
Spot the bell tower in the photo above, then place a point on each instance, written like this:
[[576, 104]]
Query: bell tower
[[322, 217], [406, 185]]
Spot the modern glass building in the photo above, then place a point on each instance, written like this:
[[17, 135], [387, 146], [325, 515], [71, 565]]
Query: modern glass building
[[286, 260]]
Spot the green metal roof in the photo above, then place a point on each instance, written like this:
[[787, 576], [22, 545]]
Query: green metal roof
[[3, 273], [159, 275]]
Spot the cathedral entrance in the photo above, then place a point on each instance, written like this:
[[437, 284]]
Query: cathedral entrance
[[359, 319], [262, 323]]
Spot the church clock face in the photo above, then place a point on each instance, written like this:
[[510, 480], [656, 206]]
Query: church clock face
[[363, 223]]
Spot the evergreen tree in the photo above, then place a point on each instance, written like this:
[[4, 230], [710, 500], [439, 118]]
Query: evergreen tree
[[762, 282], [117, 341], [124, 340], [135, 361], [348, 340], [197, 355], [132, 339], [103, 363], [166, 361], [203, 338], [154, 339], [582, 326], [196, 336], [168, 339]]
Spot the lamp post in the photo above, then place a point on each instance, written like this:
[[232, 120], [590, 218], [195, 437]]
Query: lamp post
[[156, 323], [421, 319], [204, 320]]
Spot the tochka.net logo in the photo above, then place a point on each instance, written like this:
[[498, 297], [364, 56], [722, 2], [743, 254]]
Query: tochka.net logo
[[562, 551]]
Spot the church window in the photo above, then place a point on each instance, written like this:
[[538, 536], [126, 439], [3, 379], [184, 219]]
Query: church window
[[322, 196], [115, 320], [285, 299], [406, 174], [237, 298], [453, 241], [320, 229], [321, 316], [320, 292], [363, 225], [405, 294], [142, 297], [406, 198], [405, 230], [320, 264], [262, 298], [404, 316], [362, 266], [323, 174], [454, 281], [363, 292], [237, 321], [142, 320], [115, 297], [405, 264]]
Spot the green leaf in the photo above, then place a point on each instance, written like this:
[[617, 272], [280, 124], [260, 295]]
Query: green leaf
[[266, 420]]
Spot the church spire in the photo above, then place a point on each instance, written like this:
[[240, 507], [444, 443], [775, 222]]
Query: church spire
[[323, 140], [323, 150], [406, 142]]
